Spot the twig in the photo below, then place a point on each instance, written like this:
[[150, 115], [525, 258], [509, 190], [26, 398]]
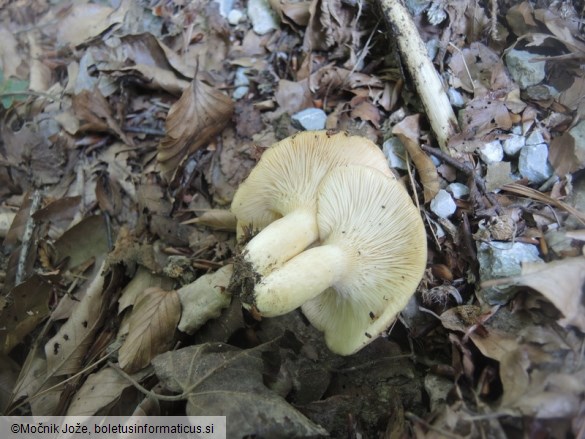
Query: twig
[[144, 390], [426, 79], [26, 237], [38, 94]]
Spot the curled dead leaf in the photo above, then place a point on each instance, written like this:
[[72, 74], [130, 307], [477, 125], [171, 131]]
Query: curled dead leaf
[[200, 113], [152, 325], [561, 282], [408, 131]]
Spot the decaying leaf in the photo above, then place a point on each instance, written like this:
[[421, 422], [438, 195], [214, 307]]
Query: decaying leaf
[[93, 108], [199, 115], [152, 325], [98, 390], [29, 306], [204, 299], [408, 131], [85, 21], [224, 380], [561, 282], [141, 281], [66, 349]]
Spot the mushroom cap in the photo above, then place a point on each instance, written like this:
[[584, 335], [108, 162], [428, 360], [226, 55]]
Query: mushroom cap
[[373, 219], [289, 173]]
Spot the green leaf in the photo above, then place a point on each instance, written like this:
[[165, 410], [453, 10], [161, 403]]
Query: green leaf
[[9, 89]]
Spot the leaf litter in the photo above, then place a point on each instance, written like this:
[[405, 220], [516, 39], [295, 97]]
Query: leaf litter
[[122, 121]]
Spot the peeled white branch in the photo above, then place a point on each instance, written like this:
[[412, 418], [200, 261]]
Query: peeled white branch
[[426, 79]]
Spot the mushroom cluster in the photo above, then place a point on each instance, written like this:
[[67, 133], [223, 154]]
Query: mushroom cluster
[[338, 236]]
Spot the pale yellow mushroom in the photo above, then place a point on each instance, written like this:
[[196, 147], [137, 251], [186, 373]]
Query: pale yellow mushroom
[[279, 197], [371, 258]]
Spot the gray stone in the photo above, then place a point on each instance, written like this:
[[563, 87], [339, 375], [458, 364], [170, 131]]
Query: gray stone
[[417, 7], [455, 97], [394, 151], [225, 6], [436, 14], [513, 144], [498, 174], [235, 17], [309, 119], [517, 129], [240, 92], [535, 138], [524, 68], [458, 190], [262, 16], [491, 152], [241, 77], [533, 163], [443, 205], [502, 259]]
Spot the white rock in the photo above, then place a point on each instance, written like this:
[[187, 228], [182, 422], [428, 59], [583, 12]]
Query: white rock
[[394, 151], [533, 163], [262, 16], [535, 138], [517, 129], [225, 6], [235, 17], [513, 144], [458, 190], [241, 77], [455, 97], [310, 119], [443, 205], [491, 152], [240, 92]]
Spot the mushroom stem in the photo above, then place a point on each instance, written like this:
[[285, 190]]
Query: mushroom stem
[[281, 240], [302, 278]]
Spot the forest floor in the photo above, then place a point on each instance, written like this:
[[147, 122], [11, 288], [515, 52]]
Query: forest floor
[[126, 128]]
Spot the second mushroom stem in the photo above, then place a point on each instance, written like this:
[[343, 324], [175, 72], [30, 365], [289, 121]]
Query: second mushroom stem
[[281, 240], [302, 278]]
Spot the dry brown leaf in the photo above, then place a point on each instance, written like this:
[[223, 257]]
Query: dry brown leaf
[[408, 131], [95, 110], [98, 390], [66, 349], [201, 113], [565, 157], [109, 194], [86, 21], [293, 96], [217, 219], [28, 307], [561, 282], [34, 383], [142, 280], [152, 326], [10, 59]]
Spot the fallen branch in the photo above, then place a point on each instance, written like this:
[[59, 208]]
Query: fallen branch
[[426, 79]]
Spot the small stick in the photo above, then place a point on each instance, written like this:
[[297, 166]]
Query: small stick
[[26, 237]]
